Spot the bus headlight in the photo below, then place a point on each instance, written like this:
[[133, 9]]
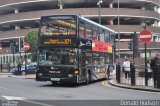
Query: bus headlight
[[75, 72]]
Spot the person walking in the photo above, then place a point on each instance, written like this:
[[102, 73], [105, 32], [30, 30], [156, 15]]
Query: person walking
[[149, 70], [155, 66], [126, 67]]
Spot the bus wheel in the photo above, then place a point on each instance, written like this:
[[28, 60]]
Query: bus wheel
[[54, 83], [87, 78]]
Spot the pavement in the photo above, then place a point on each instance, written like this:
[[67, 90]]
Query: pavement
[[29, 76], [112, 81]]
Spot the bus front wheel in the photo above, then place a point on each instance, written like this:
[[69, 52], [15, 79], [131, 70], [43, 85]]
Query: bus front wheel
[[54, 83]]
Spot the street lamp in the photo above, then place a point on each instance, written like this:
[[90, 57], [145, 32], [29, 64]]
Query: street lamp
[[118, 36], [99, 6]]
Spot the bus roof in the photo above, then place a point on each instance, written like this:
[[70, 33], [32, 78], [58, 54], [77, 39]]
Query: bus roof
[[90, 21]]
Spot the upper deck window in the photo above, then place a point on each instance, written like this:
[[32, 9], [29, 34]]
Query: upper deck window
[[58, 26]]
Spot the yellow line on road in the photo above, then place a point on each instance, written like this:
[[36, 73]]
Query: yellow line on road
[[105, 83]]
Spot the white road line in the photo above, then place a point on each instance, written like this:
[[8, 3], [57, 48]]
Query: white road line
[[13, 97], [38, 103], [25, 100], [4, 88]]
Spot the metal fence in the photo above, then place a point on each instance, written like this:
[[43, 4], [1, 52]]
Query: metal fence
[[138, 79]]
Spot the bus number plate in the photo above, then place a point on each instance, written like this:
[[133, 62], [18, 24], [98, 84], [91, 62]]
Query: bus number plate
[[55, 79]]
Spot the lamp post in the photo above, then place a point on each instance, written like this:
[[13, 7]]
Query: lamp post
[[145, 51], [118, 36], [99, 6]]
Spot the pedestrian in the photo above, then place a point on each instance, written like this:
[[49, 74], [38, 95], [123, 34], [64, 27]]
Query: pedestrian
[[19, 67], [149, 70], [126, 67], [29, 60], [155, 66]]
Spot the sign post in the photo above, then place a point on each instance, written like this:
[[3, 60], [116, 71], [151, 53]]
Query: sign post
[[145, 36], [26, 47], [1, 55]]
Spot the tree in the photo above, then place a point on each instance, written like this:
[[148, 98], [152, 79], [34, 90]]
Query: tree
[[32, 39]]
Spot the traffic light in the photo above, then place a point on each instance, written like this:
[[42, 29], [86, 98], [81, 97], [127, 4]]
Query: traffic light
[[21, 41], [16, 48], [136, 45], [130, 45]]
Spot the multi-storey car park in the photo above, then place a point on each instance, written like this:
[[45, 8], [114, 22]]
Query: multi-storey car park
[[19, 17]]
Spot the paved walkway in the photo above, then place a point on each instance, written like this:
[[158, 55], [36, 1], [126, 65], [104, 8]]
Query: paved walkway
[[125, 83], [29, 76]]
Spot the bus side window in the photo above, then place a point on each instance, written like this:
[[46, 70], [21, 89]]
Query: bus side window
[[96, 33], [82, 29], [88, 30], [102, 36]]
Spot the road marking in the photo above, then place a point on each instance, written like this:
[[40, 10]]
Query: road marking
[[38, 103], [25, 100], [105, 83], [13, 97], [3, 76]]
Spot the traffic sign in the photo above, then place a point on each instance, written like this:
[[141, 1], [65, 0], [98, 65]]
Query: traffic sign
[[145, 36], [26, 46]]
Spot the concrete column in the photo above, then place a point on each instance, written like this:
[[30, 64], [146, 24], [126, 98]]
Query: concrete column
[[142, 23], [60, 4], [111, 22], [156, 8], [17, 27], [143, 8], [60, 7], [157, 38], [156, 23], [16, 11], [111, 5]]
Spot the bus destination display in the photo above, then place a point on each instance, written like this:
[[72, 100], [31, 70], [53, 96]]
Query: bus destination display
[[59, 41]]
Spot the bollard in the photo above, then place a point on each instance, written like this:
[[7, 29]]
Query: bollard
[[132, 74], [158, 79], [118, 70], [1, 64], [18, 73], [9, 67]]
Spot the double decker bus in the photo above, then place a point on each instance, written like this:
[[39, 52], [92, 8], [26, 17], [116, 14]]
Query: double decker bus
[[73, 49]]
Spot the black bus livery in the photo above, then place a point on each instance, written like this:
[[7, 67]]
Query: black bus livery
[[73, 49]]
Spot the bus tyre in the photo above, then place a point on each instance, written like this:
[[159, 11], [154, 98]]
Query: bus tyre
[[54, 83], [87, 78]]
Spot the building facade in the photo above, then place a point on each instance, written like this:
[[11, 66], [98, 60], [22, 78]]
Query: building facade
[[19, 17]]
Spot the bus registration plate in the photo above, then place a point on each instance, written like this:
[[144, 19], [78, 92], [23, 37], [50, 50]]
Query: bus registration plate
[[55, 79]]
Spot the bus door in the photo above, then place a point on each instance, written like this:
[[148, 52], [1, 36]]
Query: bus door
[[82, 65]]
